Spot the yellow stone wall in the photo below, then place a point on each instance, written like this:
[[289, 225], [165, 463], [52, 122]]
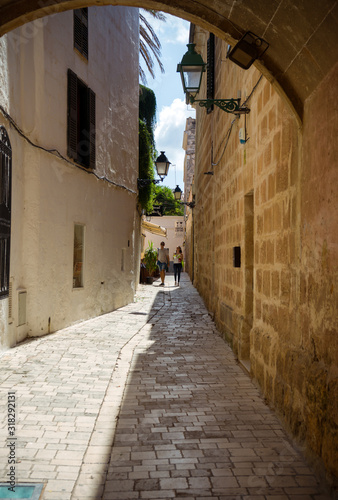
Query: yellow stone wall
[[274, 198]]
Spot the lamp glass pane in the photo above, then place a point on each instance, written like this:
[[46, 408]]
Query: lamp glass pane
[[162, 168], [192, 78]]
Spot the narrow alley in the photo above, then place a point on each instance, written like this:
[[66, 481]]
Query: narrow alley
[[146, 402]]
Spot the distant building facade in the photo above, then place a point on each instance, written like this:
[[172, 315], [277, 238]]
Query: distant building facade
[[189, 139], [175, 227]]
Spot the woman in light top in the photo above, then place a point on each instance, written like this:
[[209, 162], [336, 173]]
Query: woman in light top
[[178, 259]]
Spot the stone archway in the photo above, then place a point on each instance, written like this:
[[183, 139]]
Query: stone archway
[[302, 37]]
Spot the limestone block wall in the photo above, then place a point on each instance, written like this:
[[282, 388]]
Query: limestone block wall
[[318, 281], [273, 197]]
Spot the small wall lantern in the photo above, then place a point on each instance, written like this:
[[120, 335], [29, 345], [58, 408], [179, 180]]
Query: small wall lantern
[[162, 165], [177, 196]]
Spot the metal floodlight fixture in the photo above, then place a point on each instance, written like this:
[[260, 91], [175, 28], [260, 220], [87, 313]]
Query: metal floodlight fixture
[[191, 69], [162, 165], [249, 48]]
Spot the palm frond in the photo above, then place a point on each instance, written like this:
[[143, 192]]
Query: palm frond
[[156, 14], [150, 45], [142, 75]]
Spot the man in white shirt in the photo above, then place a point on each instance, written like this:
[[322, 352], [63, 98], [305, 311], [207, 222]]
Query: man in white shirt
[[163, 262]]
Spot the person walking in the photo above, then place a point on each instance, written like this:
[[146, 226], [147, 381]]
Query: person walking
[[178, 259], [162, 262]]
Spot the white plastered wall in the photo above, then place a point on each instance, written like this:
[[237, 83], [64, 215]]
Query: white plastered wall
[[50, 195]]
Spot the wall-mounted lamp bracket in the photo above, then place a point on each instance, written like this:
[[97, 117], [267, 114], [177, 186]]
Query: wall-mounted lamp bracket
[[162, 167], [190, 204], [227, 105], [145, 182]]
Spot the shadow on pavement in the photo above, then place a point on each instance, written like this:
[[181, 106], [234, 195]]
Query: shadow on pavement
[[192, 424], [147, 402]]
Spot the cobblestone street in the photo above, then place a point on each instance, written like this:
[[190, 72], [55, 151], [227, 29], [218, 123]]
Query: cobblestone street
[[147, 402]]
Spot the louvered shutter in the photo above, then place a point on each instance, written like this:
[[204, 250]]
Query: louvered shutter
[[211, 69], [85, 32], [72, 138], [77, 29], [92, 129], [81, 31]]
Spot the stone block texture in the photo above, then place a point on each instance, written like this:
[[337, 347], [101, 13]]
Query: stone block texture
[[274, 197]]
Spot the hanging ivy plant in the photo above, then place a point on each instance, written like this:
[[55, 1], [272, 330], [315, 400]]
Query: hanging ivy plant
[[147, 153], [146, 167], [147, 110]]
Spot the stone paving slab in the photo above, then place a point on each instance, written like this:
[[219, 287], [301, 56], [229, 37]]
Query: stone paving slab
[[146, 402]]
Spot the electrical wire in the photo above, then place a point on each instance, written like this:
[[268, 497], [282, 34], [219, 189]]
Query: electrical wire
[[56, 153], [227, 137], [228, 133], [253, 90]]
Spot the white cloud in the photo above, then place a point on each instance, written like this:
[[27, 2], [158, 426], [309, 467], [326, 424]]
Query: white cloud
[[173, 30], [171, 122], [179, 30], [169, 133]]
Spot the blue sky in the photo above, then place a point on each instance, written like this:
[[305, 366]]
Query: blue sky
[[172, 111]]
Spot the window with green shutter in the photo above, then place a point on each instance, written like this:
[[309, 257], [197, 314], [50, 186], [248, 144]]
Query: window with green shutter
[[81, 31], [81, 122]]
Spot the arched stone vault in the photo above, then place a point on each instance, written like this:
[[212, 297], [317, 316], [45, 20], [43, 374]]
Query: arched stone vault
[[302, 34]]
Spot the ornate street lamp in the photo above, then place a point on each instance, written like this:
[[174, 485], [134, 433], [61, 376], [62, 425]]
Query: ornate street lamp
[[192, 67], [162, 165]]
